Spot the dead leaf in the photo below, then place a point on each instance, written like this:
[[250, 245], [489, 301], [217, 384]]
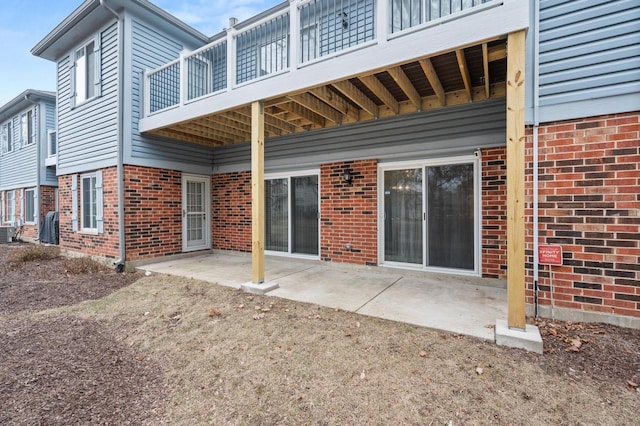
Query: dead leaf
[[479, 370], [422, 353], [428, 380], [575, 345], [489, 326], [258, 316], [213, 312]]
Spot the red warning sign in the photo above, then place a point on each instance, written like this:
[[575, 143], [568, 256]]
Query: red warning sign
[[550, 255]]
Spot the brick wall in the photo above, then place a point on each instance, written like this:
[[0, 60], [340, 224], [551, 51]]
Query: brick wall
[[153, 212], [589, 201], [494, 213], [47, 203], [103, 245], [348, 212], [231, 221]]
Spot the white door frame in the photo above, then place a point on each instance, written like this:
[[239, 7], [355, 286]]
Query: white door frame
[[477, 192], [207, 211]]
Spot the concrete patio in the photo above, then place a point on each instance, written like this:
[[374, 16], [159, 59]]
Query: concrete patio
[[458, 304]]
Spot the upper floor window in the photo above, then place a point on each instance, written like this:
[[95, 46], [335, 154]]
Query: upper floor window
[[27, 133], [86, 72], [52, 143], [6, 137]]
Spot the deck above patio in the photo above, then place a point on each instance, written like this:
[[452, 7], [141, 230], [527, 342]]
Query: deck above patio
[[324, 63]]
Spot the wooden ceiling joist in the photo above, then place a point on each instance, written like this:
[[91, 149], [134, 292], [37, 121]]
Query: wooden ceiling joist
[[378, 89], [407, 87], [316, 105], [357, 96], [434, 81], [175, 134], [336, 102], [305, 113], [485, 68], [464, 72]]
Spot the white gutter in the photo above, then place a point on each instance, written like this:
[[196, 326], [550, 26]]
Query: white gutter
[[119, 264], [536, 125]]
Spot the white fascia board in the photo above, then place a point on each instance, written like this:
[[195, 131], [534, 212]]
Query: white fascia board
[[510, 16]]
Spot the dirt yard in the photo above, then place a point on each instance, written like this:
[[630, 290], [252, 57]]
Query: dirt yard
[[83, 345]]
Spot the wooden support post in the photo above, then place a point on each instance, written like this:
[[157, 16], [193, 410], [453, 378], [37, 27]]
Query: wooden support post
[[515, 180], [257, 192]]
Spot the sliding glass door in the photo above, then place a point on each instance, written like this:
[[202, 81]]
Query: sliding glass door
[[430, 216], [291, 214]]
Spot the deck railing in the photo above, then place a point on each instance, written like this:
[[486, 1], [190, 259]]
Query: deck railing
[[320, 28]]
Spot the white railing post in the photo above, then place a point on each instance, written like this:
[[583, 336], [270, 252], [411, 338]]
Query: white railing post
[[231, 58], [146, 93], [294, 35], [383, 24], [184, 77]]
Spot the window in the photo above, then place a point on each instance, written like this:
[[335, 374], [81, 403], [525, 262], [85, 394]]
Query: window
[[52, 143], [6, 137], [11, 206], [91, 207], [30, 205], [26, 128], [84, 74], [291, 214], [88, 202]]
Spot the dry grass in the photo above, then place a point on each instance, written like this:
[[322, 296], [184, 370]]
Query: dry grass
[[232, 358]]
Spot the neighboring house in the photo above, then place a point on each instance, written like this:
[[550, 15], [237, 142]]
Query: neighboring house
[[396, 133], [28, 182]]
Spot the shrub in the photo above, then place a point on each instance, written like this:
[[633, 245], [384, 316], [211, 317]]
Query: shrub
[[83, 265], [33, 253]]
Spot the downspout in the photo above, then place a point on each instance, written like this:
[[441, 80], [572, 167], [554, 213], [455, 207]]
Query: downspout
[[120, 263], [536, 125], [38, 171]]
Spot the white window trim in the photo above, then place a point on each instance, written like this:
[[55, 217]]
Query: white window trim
[[30, 220], [6, 132], [77, 215], [477, 192], [11, 212], [288, 176], [96, 70], [51, 159], [27, 123]]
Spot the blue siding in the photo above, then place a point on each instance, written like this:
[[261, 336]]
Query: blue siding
[[88, 134], [48, 176], [18, 168], [151, 49], [589, 57], [436, 133]]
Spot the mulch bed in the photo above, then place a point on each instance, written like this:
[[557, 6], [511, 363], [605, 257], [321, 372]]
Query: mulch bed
[[60, 369]]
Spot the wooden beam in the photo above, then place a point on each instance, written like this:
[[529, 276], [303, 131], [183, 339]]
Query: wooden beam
[[177, 135], [405, 84], [495, 53], [464, 71], [243, 117], [357, 96], [434, 81], [207, 134], [305, 113], [485, 65], [515, 180], [378, 89], [257, 192], [316, 105], [337, 102]]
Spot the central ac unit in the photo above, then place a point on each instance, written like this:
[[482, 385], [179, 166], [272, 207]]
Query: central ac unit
[[6, 234]]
